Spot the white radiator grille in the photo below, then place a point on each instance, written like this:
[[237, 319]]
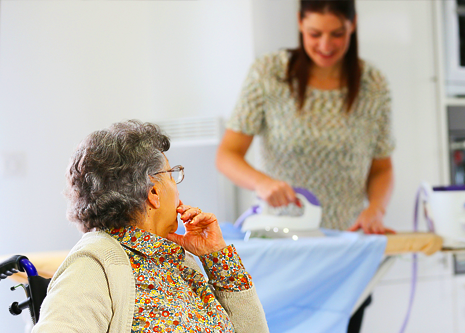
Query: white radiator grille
[[193, 131]]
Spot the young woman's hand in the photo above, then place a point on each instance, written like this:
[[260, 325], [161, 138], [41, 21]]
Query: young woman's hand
[[370, 221], [276, 192], [203, 234]]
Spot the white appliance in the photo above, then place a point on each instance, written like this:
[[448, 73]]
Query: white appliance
[[445, 205], [261, 222], [454, 29]]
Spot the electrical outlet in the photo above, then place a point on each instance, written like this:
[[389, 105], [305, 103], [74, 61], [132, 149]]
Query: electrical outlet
[[13, 164]]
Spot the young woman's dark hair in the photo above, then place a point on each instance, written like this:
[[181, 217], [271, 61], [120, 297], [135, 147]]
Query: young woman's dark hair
[[299, 67]]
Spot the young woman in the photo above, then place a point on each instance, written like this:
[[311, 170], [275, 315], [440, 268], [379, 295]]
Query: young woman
[[324, 118]]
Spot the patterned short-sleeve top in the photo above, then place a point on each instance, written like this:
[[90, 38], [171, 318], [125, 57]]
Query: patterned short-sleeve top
[[321, 148]]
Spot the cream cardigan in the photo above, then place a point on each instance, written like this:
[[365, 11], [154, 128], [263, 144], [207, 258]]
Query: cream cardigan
[[93, 291]]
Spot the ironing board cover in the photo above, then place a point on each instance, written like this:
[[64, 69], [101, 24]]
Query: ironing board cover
[[309, 285]]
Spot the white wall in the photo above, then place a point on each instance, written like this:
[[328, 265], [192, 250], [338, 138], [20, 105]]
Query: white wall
[[70, 67], [67, 68], [274, 25], [397, 37]]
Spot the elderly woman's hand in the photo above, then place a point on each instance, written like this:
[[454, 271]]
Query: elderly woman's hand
[[203, 234]]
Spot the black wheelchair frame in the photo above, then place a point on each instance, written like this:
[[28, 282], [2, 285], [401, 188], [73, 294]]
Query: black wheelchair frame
[[36, 288]]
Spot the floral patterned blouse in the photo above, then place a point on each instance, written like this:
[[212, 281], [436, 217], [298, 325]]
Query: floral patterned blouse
[[321, 148], [171, 297]]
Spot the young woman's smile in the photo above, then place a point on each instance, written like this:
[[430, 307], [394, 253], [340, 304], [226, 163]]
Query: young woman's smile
[[326, 37]]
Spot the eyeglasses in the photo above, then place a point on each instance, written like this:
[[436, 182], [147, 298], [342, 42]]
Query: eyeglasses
[[176, 173]]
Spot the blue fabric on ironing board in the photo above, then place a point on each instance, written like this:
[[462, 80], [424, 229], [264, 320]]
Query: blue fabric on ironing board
[[228, 230], [309, 285]]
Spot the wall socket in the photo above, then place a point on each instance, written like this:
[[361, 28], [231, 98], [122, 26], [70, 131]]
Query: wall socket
[[13, 164]]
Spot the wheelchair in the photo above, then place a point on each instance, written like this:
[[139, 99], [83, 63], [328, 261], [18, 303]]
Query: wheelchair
[[36, 288]]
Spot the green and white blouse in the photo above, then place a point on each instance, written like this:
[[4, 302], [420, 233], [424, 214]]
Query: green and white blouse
[[320, 148]]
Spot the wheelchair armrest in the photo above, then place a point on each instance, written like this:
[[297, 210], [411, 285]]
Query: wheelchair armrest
[[11, 266]]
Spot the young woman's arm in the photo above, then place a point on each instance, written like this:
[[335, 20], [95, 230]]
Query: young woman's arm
[[230, 160], [379, 189]]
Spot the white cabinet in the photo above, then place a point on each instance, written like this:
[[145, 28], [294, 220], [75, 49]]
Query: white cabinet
[[431, 312], [459, 295], [434, 302]]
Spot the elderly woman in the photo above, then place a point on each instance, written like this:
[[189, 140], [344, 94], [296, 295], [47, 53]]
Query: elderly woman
[[130, 272]]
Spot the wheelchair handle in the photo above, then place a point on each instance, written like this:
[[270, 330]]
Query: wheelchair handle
[[17, 308], [15, 264]]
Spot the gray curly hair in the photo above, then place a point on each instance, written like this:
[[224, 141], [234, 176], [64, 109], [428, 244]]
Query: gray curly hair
[[108, 175]]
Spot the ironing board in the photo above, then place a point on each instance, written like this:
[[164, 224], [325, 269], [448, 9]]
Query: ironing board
[[47, 263], [405, 242]]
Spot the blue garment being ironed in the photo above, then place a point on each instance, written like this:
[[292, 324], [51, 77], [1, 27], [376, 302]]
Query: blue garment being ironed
[[309, 285]]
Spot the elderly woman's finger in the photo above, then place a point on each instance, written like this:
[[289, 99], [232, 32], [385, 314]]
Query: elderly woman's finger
[[190, 213], [204, 218], [182, 208]]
